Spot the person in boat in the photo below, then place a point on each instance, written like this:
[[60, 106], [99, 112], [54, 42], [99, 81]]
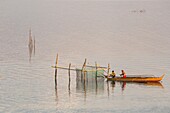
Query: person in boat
[[113, 74], [123, 74]]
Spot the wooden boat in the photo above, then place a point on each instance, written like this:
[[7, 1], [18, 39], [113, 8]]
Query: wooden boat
[[137, 79]]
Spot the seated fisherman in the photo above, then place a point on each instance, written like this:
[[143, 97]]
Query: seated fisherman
[[123, 74], [113, 74]]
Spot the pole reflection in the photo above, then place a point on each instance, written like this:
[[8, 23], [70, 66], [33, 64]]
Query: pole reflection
[[89, 85], [30, 52]]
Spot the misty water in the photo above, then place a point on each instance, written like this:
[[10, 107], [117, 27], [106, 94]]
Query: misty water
[[129, 34]]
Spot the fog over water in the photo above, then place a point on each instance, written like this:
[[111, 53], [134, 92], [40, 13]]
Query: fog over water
[[129, 34]]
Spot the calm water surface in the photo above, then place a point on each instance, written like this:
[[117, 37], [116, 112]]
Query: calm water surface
[[130, 35]]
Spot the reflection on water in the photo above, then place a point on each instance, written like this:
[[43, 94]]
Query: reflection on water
[[30, 52], [31, 45], [156, 84], [108, 88], [148, 84], [89, 83], [107, 32], [123, 86], [56, 95]]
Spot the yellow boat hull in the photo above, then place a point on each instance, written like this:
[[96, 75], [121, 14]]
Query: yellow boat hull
[[137, 79]]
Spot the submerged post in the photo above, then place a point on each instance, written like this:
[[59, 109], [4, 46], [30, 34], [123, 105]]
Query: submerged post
[[85, 83], [84, 78], [96, 76], [34, 45], [108, 69], [56, 64], [69, 71]]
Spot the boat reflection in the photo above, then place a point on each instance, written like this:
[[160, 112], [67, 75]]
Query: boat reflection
[[156, 84], [148, 84], [98, 87], [89, 85]]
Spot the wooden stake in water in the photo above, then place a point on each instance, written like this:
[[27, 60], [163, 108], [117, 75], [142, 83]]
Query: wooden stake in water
[[56, 64], [96, 69], [96, 76], [69, 76], [108, 69], [69, 72], [85, 83], [108, 88], [30, 45], [34, 45], [84, 65], [84, 76], [83, 69]]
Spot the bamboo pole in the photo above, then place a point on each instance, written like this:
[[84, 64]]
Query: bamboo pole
[[69, 77], [85, 84], [69, 72], [108, 69], [96, 69], [56, 64], [107, 77], [66, 68], [84, 76], [83, 69], [96, 76], [108, 88], [96, 85], [84, 65]]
